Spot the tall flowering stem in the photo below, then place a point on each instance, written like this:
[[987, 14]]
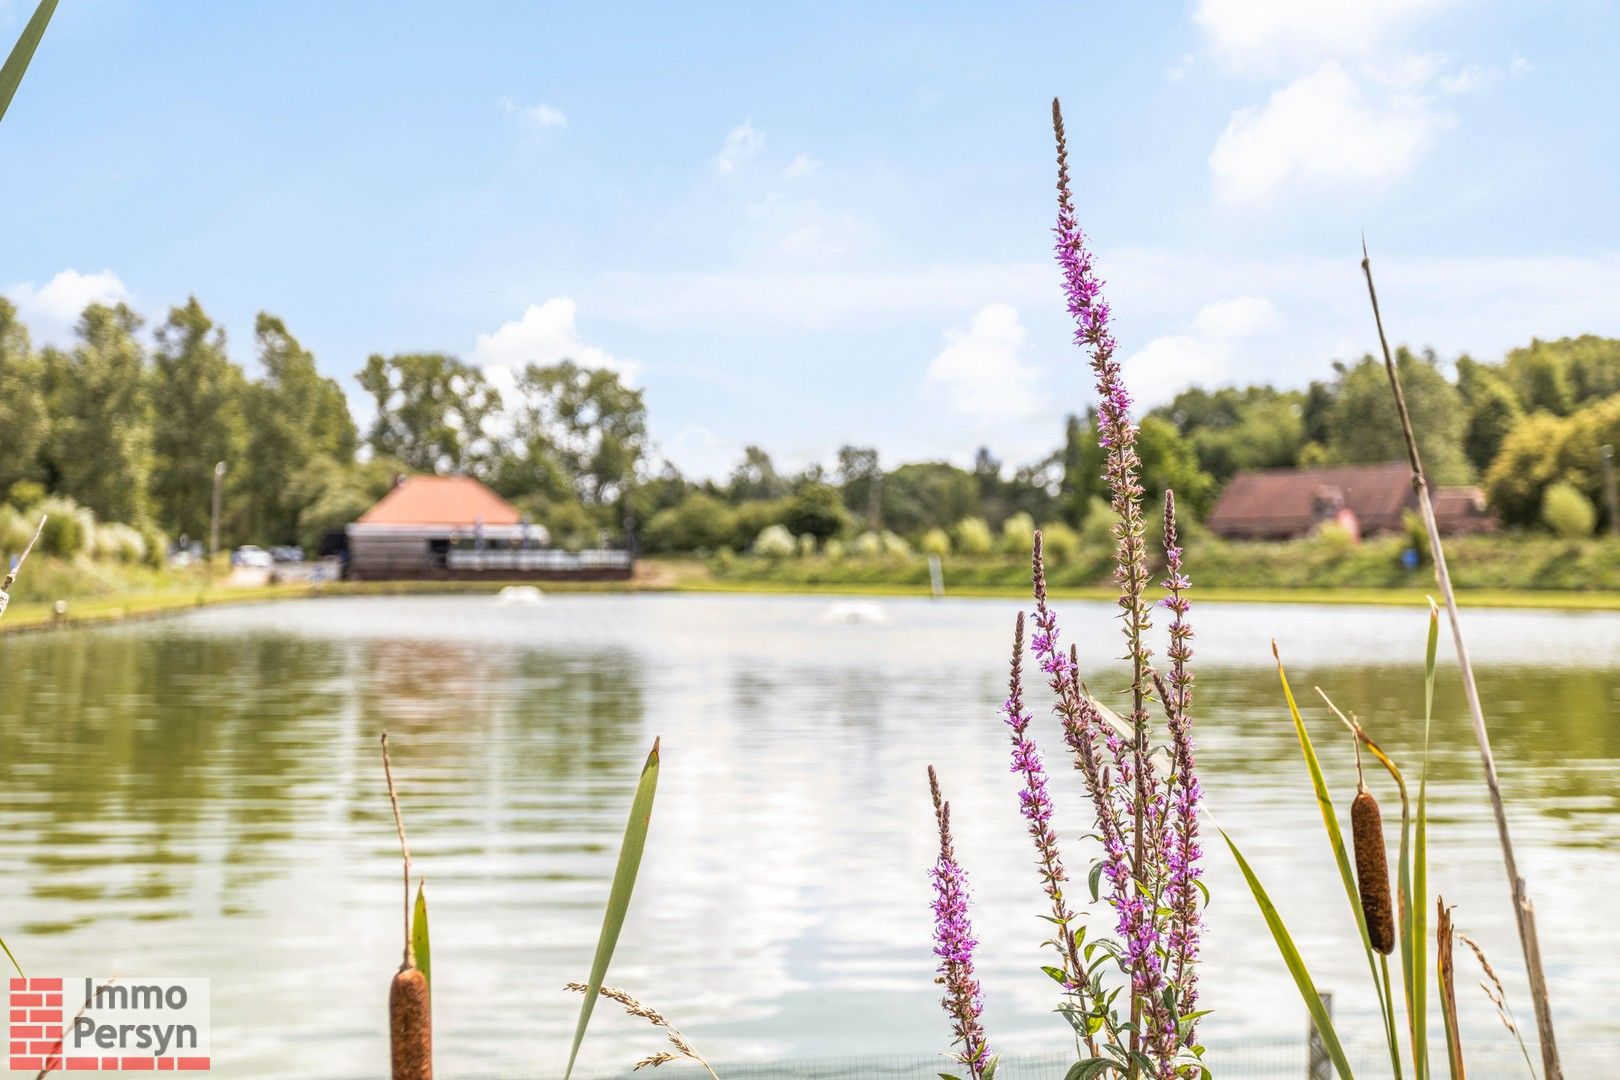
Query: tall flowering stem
[[1182, 851], [1036, 805], [953, 945]]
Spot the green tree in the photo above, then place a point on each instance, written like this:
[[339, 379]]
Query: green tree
[[24, 422], [860, 478], [1493, 411], [1525, 465], [755, 477], [578, 428], [1230, 429], [921, 495], [1082, 467], [1169, 464], [433, 411], [701, 523], [817, 510], [101, 447], [294, 416], [1364, 426], [197, 397]]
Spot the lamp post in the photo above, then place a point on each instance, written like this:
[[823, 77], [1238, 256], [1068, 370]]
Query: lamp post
[[213, 517]]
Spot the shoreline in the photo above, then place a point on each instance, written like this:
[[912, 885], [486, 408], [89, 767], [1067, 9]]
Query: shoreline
[[663, 578]]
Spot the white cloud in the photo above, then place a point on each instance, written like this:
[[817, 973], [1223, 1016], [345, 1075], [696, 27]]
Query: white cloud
[[52, 309], [802, 165], [742, 142], [545, 334], [1207, 357], [1236, 317], [1321, 129], [981, 373], [539, 116], [1269, 33]]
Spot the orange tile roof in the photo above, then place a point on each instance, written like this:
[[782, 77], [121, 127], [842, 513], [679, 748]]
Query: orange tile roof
[[441, 500]]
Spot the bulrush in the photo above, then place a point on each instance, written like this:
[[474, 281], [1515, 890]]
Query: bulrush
[[1372, 870], [410, 1012]]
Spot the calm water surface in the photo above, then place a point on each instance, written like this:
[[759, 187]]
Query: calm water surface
[[202, 796]]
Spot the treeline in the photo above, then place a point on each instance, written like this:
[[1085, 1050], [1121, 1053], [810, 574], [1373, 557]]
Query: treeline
[[121, 427]]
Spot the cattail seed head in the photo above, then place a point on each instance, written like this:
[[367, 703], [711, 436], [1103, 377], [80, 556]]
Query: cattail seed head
[[1372, 871], [410, 1026]]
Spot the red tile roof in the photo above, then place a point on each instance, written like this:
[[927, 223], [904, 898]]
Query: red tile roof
[[441, 500], [1280, 503]]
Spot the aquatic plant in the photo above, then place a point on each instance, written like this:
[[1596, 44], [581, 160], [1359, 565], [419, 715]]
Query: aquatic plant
[[1130, 995], [953, 945], [410, 1008]]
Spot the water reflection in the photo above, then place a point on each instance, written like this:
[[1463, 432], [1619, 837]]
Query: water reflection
[[203, 796]]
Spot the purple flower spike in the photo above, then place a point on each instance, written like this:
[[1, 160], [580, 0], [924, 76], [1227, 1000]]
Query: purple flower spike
[[953, 945]]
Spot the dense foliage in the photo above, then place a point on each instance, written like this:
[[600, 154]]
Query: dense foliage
[[129, 425]]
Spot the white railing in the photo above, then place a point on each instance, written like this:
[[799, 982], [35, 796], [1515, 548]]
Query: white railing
[[532, 560]]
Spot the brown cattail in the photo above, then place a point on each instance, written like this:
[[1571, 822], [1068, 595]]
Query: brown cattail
[[410, 1012], [410, 1025], [1372, 871]]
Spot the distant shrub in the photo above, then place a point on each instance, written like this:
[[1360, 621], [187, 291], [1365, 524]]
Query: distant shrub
[[807, 545], [24, 494], [973, 536], [14, 530], [117, 542], [1097, 532], [700, 523], [894, 545], [1569, 514], [868, 545], [1018, 534], [68, 526], [1060, 543], [935, 542], [1333, 539], [818, 510], [775, 542], [834, 550]]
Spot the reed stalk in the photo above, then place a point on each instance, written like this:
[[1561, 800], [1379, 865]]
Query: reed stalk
[[1523, 911]]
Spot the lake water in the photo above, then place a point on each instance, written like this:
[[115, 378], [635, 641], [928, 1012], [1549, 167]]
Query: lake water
[[203, 796]]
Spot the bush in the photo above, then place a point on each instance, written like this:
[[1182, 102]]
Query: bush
[[1097, 533], [868, 545], [893, 545], [834, 550], [117, 542], [1060, 544], [973, 536], [25, 493], [1569, 514], [68, 526], [775, 542], [14, 531], [1018, 534], [807, 546], [935, 542], [1333, 539], [700, 523]]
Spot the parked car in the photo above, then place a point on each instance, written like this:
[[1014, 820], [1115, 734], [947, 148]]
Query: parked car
[[287, 554], [251, 556]]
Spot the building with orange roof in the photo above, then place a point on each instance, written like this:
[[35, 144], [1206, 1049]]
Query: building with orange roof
[[456, 528]]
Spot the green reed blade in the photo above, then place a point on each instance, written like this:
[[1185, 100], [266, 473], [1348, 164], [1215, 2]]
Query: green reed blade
[[1418, 932], [419, 936], [624, 883], [21, 53], [13, 959], [1295, 962]]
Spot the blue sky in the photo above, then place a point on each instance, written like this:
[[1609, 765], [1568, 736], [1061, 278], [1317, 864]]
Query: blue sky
[[806, 225]]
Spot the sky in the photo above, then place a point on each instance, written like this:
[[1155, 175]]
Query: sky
[[806, 225]]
